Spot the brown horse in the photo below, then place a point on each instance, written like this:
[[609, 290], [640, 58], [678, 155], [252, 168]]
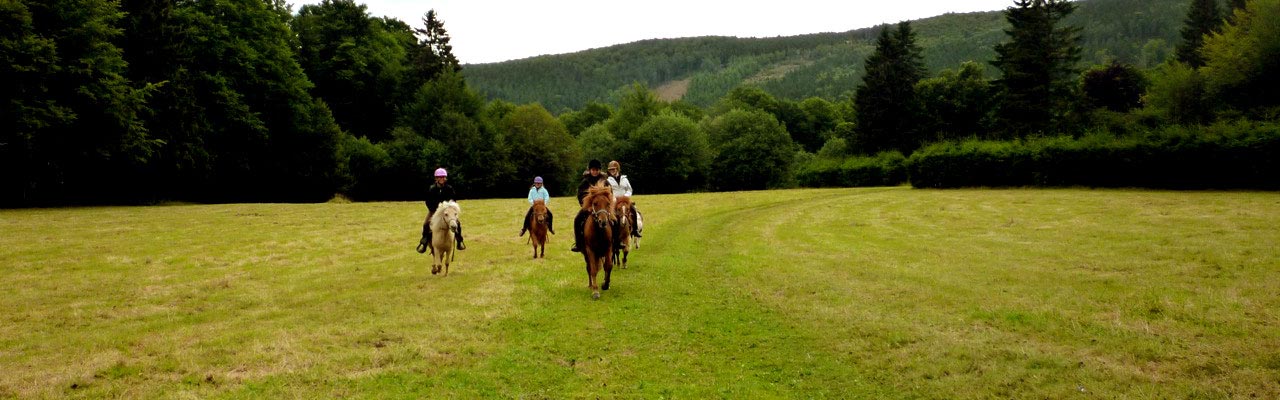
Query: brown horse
[[538, 228], [622, 209], [597, 234]]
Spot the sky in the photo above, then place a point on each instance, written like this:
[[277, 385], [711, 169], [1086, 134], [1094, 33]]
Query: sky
[[485, 31]]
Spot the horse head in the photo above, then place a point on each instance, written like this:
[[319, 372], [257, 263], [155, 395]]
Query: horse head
[[540, 211], [448, 213], [622, 209], [598, 202]]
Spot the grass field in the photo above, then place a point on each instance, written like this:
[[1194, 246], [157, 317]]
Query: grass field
[[848, 293]]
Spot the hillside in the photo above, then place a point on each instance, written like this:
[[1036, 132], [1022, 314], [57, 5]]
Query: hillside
[[827, 65]]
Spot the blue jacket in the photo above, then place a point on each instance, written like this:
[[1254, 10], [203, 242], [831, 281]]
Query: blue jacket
[[536, 193]]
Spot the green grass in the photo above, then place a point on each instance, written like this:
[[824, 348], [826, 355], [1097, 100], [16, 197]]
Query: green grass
[[846, 293]]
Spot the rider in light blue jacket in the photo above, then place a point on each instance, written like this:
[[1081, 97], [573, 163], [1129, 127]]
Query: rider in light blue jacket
[[537, 192]]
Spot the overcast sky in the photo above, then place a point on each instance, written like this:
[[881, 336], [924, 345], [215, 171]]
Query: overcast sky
[[484, 31]]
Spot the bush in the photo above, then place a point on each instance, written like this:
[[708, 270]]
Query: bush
[[884, 169], [1235, 155]]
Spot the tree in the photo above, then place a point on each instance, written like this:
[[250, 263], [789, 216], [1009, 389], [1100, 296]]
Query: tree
[[70, 130], [667, 154], [1180, 94], [635, 108], [1242, 60], [823, 116], [1039, 67], [1115, 86], [888, 109], [753, 151], [1203, 18], [433, 55], [542, 146], [356, 62], [1233, 6], [591, 114], [957, 104], [446, 110]]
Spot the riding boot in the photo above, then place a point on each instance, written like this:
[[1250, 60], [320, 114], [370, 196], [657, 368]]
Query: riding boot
[[525, 227], [578, 223], [458, 232], [426, 242], [551, 227], [426, 239]]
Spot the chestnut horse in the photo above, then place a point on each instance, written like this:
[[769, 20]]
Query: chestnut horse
[[538, 228], [443, 223], [597, 236], [622, 209]]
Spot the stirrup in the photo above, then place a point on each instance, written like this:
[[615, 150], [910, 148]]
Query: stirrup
[[422, 246]]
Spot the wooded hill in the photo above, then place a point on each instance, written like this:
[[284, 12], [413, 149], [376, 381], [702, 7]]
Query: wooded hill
[[828, 65]]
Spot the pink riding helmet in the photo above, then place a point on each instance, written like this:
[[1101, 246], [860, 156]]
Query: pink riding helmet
[[441, 173]]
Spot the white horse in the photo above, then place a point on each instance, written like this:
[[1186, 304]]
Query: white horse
[[443, 225]]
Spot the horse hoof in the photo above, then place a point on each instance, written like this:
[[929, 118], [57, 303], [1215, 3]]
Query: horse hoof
[[595, 295]]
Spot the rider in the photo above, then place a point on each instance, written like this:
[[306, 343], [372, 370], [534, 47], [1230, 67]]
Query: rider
[[537, 192], [440, 191], [591, 178], [622, 187]]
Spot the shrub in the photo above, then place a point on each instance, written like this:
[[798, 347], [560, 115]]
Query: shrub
[[1225, 155], [884, 169]]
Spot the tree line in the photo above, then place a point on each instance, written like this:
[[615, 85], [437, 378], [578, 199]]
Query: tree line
[[242, 100]]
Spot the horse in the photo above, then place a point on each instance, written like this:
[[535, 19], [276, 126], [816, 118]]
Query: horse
[[538, 228], [597, 234], [622, 209], [443, 223]]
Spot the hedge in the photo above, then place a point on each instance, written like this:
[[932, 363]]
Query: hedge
[[885, 169], [1224, 156]]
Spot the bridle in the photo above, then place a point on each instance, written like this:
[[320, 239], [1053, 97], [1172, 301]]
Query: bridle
[[596, 213]]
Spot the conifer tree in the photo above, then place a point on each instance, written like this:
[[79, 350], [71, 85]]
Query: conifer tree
[[888, 110], [1202, 19], [1039, 66], [433, 55], [1233, 6]]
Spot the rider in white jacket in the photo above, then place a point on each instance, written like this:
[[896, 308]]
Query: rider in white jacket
[[622, 187]]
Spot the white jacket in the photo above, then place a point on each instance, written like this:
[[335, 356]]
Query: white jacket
[[621, 186]]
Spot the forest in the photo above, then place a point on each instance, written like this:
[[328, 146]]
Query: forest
[[826, 65], [151, 101]]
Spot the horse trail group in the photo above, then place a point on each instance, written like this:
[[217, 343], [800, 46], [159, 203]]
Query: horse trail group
[[607, 225]]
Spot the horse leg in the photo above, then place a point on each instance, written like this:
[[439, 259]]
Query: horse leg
[[608, 271], [594, 269], [446, 263]]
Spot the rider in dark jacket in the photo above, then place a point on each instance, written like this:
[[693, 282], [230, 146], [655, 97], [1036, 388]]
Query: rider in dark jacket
[[438, 192], [593, 177]]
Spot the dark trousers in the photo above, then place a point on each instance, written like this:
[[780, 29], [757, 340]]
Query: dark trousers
[[551, 226]]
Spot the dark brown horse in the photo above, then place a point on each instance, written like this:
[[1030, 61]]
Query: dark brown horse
[[538, 228], [622, 210], [597, 236]]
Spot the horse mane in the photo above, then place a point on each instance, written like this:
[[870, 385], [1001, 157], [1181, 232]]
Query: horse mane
[[593, 193], [623, 201], [438, 217]]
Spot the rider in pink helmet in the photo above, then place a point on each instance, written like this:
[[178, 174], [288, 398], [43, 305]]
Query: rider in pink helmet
[[438, 192]]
